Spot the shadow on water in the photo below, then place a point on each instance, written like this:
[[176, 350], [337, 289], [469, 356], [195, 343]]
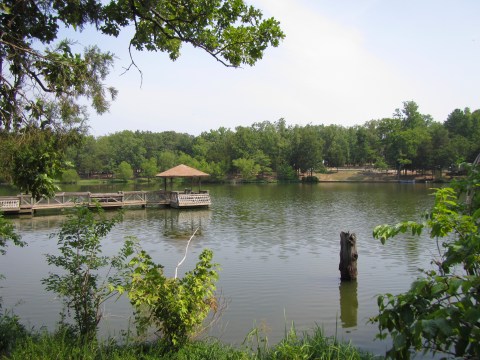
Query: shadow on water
[[348, 303]]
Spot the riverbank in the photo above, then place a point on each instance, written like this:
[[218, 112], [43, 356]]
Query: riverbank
[[332, 175], [362, 175], [17, 343]]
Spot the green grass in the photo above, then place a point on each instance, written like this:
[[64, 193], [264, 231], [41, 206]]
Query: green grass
[[310, 345], [43, 345], [46, 346], [86, 182], [17, 343]]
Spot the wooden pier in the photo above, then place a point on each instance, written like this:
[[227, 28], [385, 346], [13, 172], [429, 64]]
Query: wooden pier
[[180, 199], [26, 204]]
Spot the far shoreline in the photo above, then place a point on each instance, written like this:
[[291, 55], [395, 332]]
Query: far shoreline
[[374, 176]]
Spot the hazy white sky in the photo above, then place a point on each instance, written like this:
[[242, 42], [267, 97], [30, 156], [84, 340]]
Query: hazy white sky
[[342, 62]]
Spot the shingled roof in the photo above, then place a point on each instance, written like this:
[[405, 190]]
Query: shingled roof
[[182, 171]]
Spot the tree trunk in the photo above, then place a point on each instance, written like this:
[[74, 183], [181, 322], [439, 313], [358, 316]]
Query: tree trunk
[[348, 256]]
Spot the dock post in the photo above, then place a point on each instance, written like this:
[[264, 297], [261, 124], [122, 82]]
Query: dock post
[[348, 256]]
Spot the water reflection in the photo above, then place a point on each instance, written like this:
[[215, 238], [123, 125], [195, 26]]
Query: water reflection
[[180, 224], [348, 303], [28, 223]]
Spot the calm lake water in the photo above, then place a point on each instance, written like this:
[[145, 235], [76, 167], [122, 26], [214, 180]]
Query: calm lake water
[[278, 248]]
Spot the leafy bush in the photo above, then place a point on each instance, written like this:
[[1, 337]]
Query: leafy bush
[[79, 284], [7, 233], [11, 332], [70, 176], [321, 169], [247, 167], [124, 171], [286, 172], [310, 179], [176, 308], [440, 312]]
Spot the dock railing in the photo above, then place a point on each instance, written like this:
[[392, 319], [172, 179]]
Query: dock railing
[[24, 203], [189, 199], [9, 203]]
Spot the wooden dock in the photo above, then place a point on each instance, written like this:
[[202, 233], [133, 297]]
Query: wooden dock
[[180, 199], [26, 204]]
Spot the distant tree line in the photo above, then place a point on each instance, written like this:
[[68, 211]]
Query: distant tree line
[[408, 140]]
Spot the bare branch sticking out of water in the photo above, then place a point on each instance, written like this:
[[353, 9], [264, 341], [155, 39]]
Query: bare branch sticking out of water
[[186, 250]]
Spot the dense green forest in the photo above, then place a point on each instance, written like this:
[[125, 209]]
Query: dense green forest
[[408, 140]]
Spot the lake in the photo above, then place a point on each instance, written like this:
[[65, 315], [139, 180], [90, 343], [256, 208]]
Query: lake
[[278, 248]]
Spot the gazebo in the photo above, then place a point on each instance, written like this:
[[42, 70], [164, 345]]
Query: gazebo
[[186, 198]]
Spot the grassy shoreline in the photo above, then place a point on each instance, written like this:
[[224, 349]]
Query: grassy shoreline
[[362, 175], [333, 175], [17, 343]]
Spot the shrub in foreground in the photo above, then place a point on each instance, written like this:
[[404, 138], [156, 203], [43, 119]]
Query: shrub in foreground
[[11, 331], [440, 312]]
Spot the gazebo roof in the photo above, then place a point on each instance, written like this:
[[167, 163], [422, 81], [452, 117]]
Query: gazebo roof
[[182, 171]]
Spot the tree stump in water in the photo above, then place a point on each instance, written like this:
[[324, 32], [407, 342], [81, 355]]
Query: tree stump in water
[[348, 256]]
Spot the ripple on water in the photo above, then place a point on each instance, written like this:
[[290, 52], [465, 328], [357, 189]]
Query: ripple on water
[[278, 247]]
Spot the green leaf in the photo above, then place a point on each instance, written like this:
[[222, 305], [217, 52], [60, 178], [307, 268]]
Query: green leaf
[[472, 315], [399, 341], [444, 327], [429, 328], [437, 288], [453, 285]]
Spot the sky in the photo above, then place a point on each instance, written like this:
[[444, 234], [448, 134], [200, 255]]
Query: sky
[[342, 62]]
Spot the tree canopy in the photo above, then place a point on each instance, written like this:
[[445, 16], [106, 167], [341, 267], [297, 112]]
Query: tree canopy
[[268, 149], [45, 84]]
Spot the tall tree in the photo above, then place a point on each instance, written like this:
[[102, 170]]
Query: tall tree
[[306, 148], [124, 171], [363, 147], [85, 157], [475, 135], [336, 148], [246, 142], [442, 155], [220, 146], [44, 85], [459, 122], [271, 141], [149, 168], [166, 160], [126, 146], [411, 117]]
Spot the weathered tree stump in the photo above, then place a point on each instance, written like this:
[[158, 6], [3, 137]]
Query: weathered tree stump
[[348, 256]]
